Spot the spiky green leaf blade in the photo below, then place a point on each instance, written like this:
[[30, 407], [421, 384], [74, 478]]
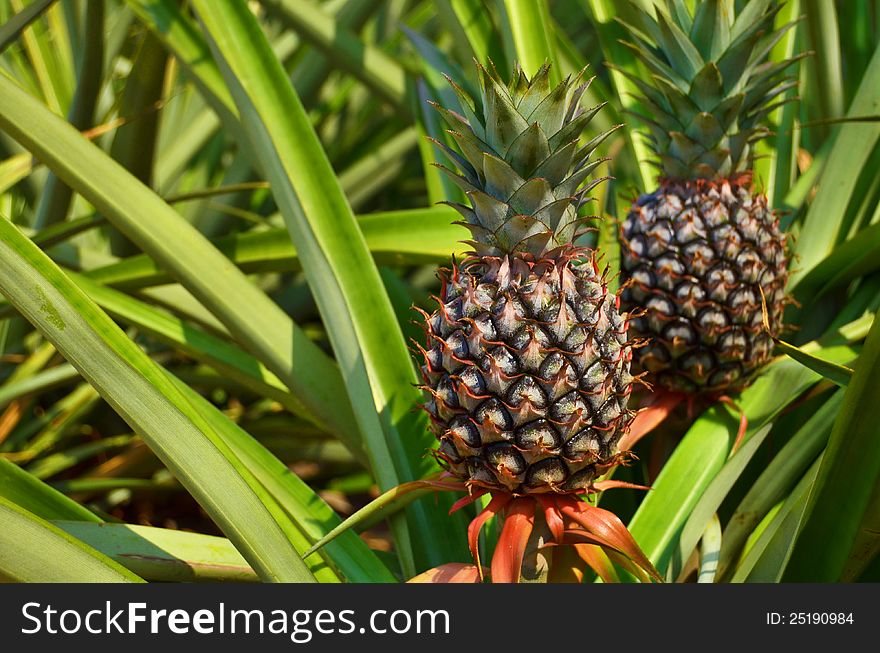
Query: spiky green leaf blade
[[766, 560], [369, 64], [37, 497], [713, 496], [350, 555], [529, 24], [36, 551], [138, 390], [777, 479], [704, 449], [133, 208], [360, 321], [853, 145], [603, 13], [161, 554], [840, 509], [13, 27]]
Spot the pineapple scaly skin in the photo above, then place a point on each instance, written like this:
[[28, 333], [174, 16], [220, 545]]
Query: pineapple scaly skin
[[528, 373], [698, 255], [526, 365], [697, 252]]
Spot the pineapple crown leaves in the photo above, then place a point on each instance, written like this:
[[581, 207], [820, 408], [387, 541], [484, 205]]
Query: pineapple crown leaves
[[711, 85], [520, 162]]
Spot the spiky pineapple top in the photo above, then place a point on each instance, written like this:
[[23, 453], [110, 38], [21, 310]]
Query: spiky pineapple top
[[519, 161], [712, 86], [527, 359]]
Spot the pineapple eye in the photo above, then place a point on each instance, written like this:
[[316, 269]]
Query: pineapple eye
[[689, 227], [446, 392], [478, 471], [551, 366], [699, 255], [719, 280], [448, 451], [527, 389], [638, 249], [485, 294], [680, 333], [457, 345], [575, 340], [568, 408], [484, 325], [494, 412], [538, 435], [505, 456], [750, 264], [435, 358], [466, 431], [733, 344], [725, 375], [761, 348], [699, 363], [550, 471], [503, 360], [593, 377], [743, 299], [584, 445], [580, 480], [452, 311], [660, 235], [712, 321], [473, 381], [668, 270]]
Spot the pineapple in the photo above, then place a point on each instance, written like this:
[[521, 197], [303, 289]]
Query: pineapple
[[698, 252], [527, 363]]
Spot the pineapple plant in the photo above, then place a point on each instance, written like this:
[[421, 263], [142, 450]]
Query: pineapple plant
[[699, 251], [527, 363]]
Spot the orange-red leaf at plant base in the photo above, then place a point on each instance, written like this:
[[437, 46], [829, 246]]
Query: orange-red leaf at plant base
[[498, 502], [451, 572], [608, 527], [659, 406], [598, 561], [518, 523]]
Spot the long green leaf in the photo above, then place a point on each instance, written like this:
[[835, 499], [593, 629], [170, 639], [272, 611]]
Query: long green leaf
[[56, 196], [350, 554], [345, 282], [857, 257], [823, 226], [139, 391], [160, 554], [395, 238], [767, 558], [370, 65], [530, 25], [35, 551], [181, 36], [777, 479], [712, 498], [13, 27], [263, 328], [34, 495], [603, 15], [704, 450], [838, 509], [200, 345]]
